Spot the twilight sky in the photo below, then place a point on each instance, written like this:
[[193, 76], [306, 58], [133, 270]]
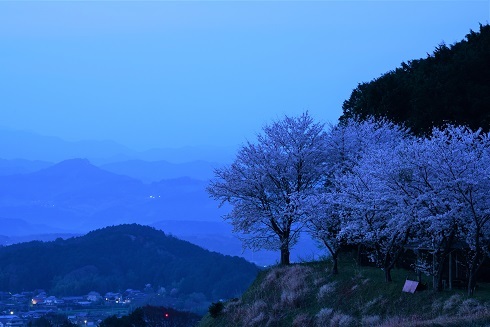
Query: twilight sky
[[171, 74]]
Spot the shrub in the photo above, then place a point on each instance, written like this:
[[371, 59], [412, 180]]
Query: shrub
[[342, 320], [215, 309], [326, 290], [437, 305], [470, 306], [323, 317], [371, 321], [294, 286], [452, 302], [302, 320], [372, 305], [233, 304], [255, 314]]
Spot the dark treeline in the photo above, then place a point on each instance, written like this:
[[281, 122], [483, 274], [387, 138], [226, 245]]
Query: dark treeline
[[51, 320], [149, 316], [452, 85]]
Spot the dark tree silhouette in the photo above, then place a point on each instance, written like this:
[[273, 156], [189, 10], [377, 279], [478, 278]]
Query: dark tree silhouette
[[150, 316], [452, 85]]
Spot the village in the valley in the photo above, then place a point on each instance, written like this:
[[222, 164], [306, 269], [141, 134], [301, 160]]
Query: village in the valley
[[18, 309]]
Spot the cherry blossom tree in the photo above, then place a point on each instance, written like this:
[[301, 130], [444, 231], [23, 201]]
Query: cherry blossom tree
[[267, 182], [334, 207], [461, 164], [370, 198], [324, 223], [438, 218]]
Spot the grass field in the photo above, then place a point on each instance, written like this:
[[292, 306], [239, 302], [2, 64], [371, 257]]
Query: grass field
[[308, 295]]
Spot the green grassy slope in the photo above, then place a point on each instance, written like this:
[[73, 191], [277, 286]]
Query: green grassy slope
[[308, 295]]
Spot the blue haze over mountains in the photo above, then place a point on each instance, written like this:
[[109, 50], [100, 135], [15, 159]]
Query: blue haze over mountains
[[26, 145], [52, 188]]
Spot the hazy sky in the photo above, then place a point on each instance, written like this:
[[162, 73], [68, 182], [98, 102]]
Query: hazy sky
[[169, 74]]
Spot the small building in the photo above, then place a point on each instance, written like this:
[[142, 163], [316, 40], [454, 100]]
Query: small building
[[11, 321], [111, 297], [52, 300], [94, 297], [18, 298]]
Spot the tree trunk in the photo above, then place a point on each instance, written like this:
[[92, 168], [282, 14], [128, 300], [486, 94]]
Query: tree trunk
[[388, 275], [474, 267], [478, 257], [335, 270], [471, 283], [359, 256], [446, 245], [335, 255], [450, 271], [285, 256], [438, 274], [390, 262]]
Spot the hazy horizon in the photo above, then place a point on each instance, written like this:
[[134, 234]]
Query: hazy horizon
[[115, 142], [173, 74]]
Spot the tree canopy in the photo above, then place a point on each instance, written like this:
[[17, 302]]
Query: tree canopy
[[268, 179], [449, 86], [391, 189]]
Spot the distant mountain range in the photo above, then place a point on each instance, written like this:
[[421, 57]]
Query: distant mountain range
[[21, 166], [19, 227], [145, 171], [153, 171], [27, 145], [76, 196]]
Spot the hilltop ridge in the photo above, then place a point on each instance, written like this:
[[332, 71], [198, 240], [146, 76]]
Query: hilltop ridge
[[120, 257], [307, 295]]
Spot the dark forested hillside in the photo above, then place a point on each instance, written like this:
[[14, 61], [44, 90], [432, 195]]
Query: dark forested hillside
[[452, 85], [121, 257]]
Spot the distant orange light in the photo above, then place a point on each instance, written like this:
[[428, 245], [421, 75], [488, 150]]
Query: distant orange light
[[166, 315]]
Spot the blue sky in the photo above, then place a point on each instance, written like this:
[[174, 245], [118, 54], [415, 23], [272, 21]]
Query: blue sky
[[171, 74]]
